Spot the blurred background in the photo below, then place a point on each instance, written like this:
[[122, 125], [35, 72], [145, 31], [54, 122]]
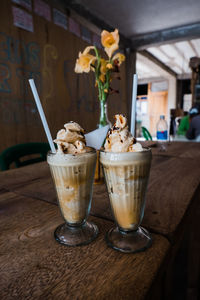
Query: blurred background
[[42, 39]]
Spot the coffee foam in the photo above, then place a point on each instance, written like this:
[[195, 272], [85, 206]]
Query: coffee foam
[[61, 159], [118, 158]]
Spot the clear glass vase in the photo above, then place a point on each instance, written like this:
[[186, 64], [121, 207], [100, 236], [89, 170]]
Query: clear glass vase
[[103, 121], [103, 117]]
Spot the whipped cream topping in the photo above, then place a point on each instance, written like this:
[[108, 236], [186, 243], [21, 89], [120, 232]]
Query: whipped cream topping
[[119, 139], [71, 140]]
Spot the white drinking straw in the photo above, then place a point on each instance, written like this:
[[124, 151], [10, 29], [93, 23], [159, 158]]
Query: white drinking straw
[[42, 115], [133, 106]]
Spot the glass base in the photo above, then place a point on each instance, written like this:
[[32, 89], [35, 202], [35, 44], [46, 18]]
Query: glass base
[[128, 241], [76, 235]]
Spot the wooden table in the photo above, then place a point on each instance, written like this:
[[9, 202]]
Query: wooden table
[[180, 149], [34, 266]]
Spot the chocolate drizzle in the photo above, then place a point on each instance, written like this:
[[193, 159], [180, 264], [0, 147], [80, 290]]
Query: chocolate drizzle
[[119, 139]]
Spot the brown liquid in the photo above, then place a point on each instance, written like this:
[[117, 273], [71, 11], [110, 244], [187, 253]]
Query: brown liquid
[[73, 181], [126, 182]]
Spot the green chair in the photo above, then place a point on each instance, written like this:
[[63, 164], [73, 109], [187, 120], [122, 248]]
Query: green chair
[[146, 134], [16, 153]]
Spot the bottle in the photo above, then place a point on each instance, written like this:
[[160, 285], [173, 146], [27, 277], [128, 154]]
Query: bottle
[[162, 133]]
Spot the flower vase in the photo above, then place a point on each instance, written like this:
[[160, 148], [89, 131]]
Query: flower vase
[[103, 118], [103, 121]]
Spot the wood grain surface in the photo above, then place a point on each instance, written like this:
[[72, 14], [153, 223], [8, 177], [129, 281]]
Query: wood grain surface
[[180, 149], [35, 181], [172, 184], [35, 266], [170, 191]]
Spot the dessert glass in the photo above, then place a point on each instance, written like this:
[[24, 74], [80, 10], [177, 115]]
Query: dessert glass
[[126, 175], [73, 177]]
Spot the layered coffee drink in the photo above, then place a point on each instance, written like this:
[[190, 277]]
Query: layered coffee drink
[[73, 177], [126, 177], [72, 168], [126, 166]]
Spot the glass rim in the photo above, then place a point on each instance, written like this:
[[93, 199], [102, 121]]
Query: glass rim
[[147, 150], [93, 150]]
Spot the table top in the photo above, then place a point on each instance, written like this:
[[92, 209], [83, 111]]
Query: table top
[[180, 149], [34, 265], [172, 184]]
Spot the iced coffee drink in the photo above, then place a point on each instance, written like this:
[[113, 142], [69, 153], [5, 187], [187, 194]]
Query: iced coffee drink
[[126, 167], [72, 168]]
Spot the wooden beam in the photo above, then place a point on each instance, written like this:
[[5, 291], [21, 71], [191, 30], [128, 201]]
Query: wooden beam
[[184, 76], [150, 79], [160, 37], [193, 48], [174, 62], [158, 62]]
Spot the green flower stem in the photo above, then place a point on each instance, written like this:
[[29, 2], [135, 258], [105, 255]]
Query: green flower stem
[[107, 80], [102, 87], [97, 72]]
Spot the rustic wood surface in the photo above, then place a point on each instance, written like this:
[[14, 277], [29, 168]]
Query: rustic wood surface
[[193, 223], [180, 149], [35, 266], [171, 187], [172, 184], [35, 181]]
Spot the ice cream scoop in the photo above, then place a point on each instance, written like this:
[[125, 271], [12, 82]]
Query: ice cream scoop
[[119, 139], [71, 140]]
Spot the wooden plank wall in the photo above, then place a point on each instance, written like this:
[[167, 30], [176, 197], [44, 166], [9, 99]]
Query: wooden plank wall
[[48, 55]]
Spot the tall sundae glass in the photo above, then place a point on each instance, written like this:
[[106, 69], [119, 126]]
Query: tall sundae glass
[[72, 168], [126, 168]]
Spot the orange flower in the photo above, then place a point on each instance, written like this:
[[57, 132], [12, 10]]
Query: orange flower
[[103, 66], [102, 78], [119, 57], [104, 69], [83, 63], [109, 66], [110, 41]]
